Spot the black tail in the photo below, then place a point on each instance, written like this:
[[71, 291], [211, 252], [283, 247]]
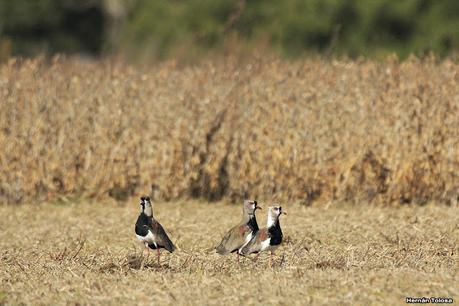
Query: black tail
[[169, 245]]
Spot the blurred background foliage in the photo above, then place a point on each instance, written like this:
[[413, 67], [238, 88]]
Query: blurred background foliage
[[192, 28]]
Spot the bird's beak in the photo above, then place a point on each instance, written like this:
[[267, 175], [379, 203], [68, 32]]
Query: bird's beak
[[284, 213], [258, 207]]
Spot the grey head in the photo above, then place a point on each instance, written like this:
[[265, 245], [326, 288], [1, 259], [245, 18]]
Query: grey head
[[248, 211], [274, 213]]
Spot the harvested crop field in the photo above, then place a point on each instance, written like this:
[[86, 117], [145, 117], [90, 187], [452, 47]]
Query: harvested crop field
[[87, 253], [363, 156]]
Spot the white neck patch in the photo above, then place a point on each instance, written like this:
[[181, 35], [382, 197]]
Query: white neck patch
[[148, 210], [272, 218]]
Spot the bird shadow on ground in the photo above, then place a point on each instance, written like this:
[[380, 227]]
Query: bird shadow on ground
[[133, 262]]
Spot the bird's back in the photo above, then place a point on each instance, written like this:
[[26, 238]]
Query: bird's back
[[234, 239], [162, 240]]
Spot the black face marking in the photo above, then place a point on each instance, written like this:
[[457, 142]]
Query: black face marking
[[143, 206]]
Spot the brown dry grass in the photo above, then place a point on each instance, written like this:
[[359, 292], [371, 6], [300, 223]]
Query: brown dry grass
[[309, 131], [84, 253]]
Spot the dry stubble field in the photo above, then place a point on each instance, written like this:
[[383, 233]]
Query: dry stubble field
[[318, 132], [86, 253]]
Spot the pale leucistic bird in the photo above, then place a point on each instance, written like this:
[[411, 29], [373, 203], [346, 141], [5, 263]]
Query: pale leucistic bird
[[238, 236]]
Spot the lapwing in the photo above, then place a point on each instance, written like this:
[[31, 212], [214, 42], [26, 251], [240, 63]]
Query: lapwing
[[266, 239], [241, 234], [149, 231]]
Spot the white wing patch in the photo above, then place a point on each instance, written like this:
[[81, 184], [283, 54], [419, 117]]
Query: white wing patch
[[247, 240]]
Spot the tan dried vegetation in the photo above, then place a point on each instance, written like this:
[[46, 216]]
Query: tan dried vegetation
[[87, 254], [307, 131]]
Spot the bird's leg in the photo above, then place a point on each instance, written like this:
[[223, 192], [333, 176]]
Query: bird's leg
[[148, 252], [142, 264], [158, 253], [256, 257], [271, 259], [237, 256]]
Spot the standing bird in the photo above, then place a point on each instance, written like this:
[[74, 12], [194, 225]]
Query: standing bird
[[149, 231], [241, 234], [266, 239]]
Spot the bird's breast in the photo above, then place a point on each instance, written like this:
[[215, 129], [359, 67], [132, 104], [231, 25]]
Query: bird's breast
[[265, 244], [149, 237]]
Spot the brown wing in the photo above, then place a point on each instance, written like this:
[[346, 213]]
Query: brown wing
[[162, 239], [233, 240], [254, 245]]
